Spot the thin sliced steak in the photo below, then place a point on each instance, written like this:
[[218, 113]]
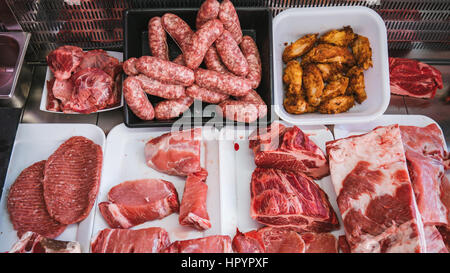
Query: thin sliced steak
[[134, 202], [71, 179], [26, 205], [210, 244]]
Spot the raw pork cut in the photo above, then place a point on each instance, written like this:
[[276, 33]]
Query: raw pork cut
[[71, 179], [413, 78], [280, 240], [193, 210], [427, 140], [32, 242], [134, 202], [210, 244], [26, 205], [175, 153], [64, 60], [435, 243], [374, 192], [287, 199], [148, 240], [445, 233], [288, 149]]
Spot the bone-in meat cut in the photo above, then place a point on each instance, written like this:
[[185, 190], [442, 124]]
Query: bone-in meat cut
[[148, 240], [374, 192], [210, 244], [290, 199], [175, 153], [32, 242], [134, 202]]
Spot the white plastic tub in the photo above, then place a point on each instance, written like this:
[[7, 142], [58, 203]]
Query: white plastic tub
[[292, 24]]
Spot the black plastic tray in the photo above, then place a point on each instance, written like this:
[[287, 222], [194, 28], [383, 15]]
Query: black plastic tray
[[255, 22]]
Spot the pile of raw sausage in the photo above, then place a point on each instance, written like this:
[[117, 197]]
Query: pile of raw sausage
[[233, 67]]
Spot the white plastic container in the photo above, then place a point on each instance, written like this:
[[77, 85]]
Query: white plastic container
[[292, 24]]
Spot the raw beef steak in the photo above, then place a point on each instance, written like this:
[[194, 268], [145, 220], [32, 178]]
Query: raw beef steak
[[26, 205], [71, 179], [210, 244], [32, 242], [148, 240], [64, 60], [282, 198], [134, 202]]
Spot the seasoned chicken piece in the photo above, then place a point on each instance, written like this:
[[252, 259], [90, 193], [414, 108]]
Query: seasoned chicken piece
[[313, 84], [329, 70], [299, 47], [356, 84], [297, 105], [362, 51], [342, 37], [335, 88], [326, 53], [293, 77], [337, 105]]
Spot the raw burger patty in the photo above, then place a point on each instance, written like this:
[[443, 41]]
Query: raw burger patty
[[26, 205], [71, 179]]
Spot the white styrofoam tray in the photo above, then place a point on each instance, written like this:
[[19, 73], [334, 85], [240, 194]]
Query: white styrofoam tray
[[125, 160], [292, 24], [49, 75], [236, 167], [33, 143]]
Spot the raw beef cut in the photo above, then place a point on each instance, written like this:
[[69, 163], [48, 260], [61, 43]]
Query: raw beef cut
[[280, 240], [62, 90], [32, 242], [435, 243], [428, 140], [288, 149], [445, 233], [193, 210], [26, 205], [175, 153], [53, 104], [148, 240], [343, 244], [210, 244], [64, 60], [100, 59], [374, 192], [288, 199], [71, 179], [413, 78], [134, 202]]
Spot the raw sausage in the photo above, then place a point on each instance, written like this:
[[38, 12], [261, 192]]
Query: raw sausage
[[129, 67], [179, 60], [245, 109], [178, 29], [251, 53], [157, 39], [201, 41], [169, 109], [213, 62], [137, 99], [208, 10], [165, 71], [222, 82], [196, 92], [230, 20], [231, 55], [157, 88]]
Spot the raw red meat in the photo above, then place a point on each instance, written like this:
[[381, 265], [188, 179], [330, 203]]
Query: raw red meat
[[32, 242], [210, 244], [71, 179], [282, 198], [134, 202], [427, 140], [288, 149], [343, 244], [64, 60], [445, 233], [175, 153], [320, 242], [100, 59], [62, 90], [26, 205], [413, 78], [435, 243], [375, 195], [193, 210], [53, 103], [148, 240]]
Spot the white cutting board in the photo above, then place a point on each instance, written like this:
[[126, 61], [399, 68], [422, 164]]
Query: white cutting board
[[125, 160], [33, 143], [236, 168]]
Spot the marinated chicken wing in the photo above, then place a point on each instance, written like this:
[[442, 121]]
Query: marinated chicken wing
[[341, 37], [299, 47], [356, 85], [335, 88], [293, 77], [337, 105], [313, 84], [329, 71], [326, 53], [362, 51], [297, 105]]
